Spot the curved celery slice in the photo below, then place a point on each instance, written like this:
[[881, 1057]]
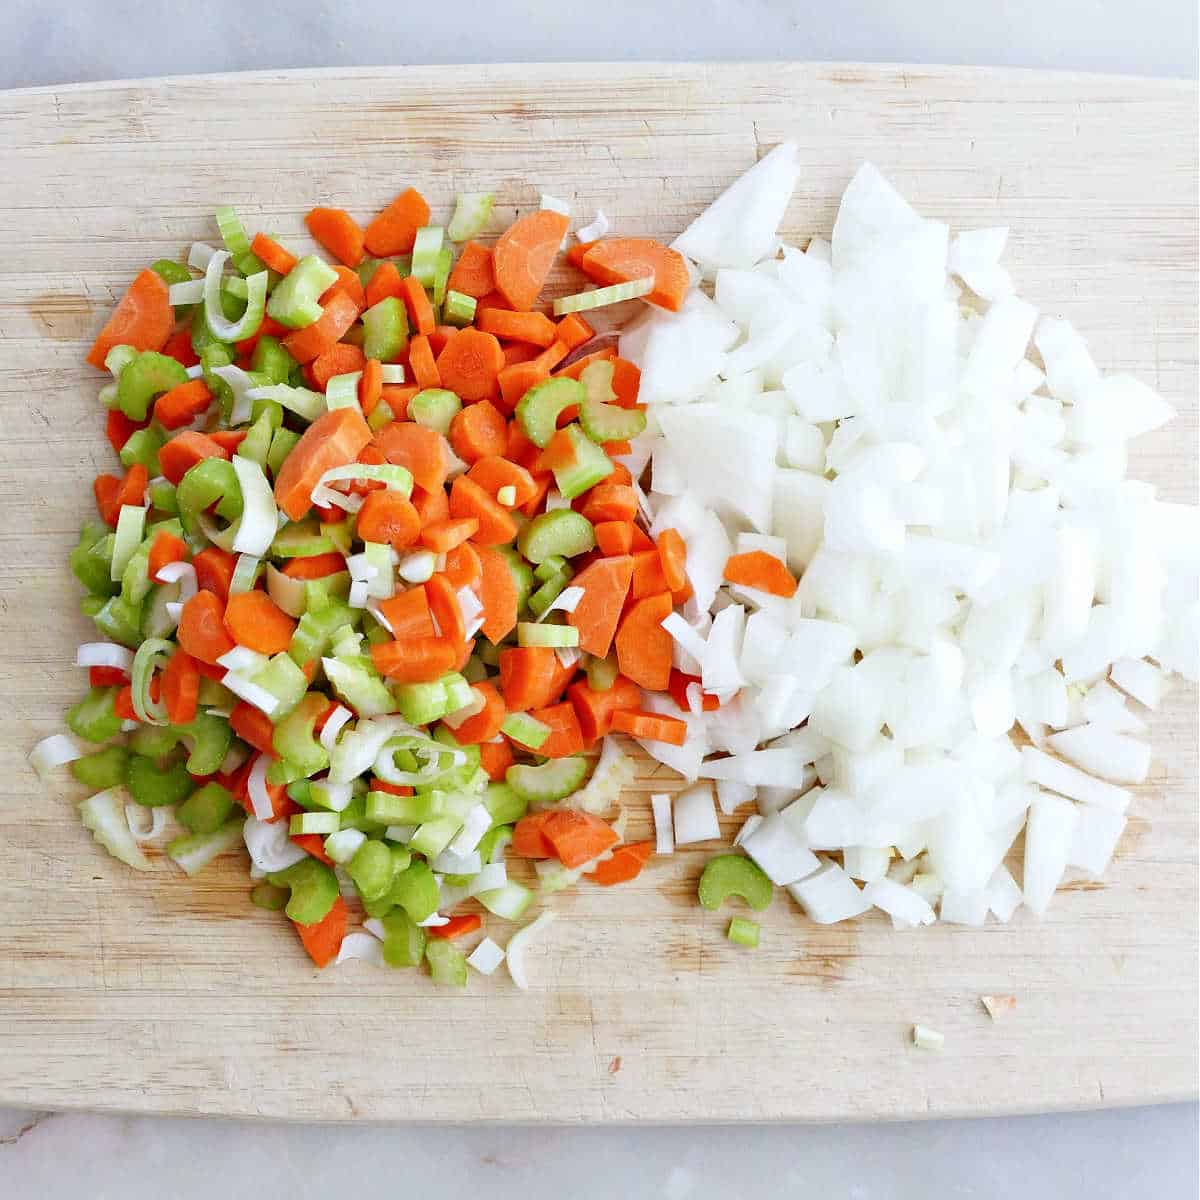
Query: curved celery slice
[[471, 213], [256, 302], [743, 932], [732, 875], [153, 786], [143, 379], [601, 420], [385, 327], [563, 532], [294, 300], [434, 408], [293, 738], [301, 539], [206, 809], [415, 891], [551, 781], [196, 851], [104, 815], [131, 525], [314, 889], [404, 940], [599, 297], [210, 481], [233, 233], [151, 655], [540, 407], [342, 391]]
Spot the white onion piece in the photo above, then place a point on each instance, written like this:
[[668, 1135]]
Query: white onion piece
[[489, 877], [731, 795], [54, 751], [1097, 832], [361, 947], [1102, 752], [1058, 776], [775, 848], [566, 601], [829, 895], [664, 833], [334, 724], [256, 786], [268, 843], [596, 229], [145, 833], [901, 903], [518, 946], [486, 957], [240, 384], [477, 822], [182, 573], [434, 921], [258, 524], [242, 658], [751, 823], [473, 707], [104, 654], [695, 816], [1049, 836]]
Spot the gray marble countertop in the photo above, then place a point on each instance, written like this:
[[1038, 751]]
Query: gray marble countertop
[[1130, 1153]]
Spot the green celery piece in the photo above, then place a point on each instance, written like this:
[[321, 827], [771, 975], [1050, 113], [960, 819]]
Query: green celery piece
[[525, 729], [283, 772], [432, 837], [386, 328], [314, 889], [120, 621], [170, 271], [358, 684], [213, 355], [733, 875], [415, 891], [272, 360], [459, 309], [602, 420], [214, 694], [210, 738], [162, 497], [294, 300], [743, 932], [91, 560], [421, 703], [590, 466], [441, 274], [488, 654], [426, 247], [210, 481], [461, 776], [386, 808], [404, 940], [143, 447], [197, 850], [268, 896], [144, 379], [553, 780], [371, 870], [381, 415], [257, 441], [471, 213], [89, 605], [102, 770], [284, 679], [300, 539], [202, 333], [206, 809], [502, 801], [154, 786], [434, 408], [540, 407], [375, 633], [541, 600], [283, 442], [487, 843], [293, 737], [104, 815], [315, 630], [447, 963], [559, 532], [271, 409], [601, 672], [474, 671], [552, 566], [233, 232], [154, 741], [379, 909], [93, 718]]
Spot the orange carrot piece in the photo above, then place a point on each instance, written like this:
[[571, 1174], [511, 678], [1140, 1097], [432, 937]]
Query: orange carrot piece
[[573, 331], [431, 506], [323, 939], [524, 254], [340, 359], [118, 428], [610, 502], [565, 735], [472, 274], [103, 677], [202, 631], [478, 430], [517, 379], [457, 926], [594, 710], [440, 337], [535, 505], [672, 551], [485, 724], [424, 366], [614, 537], [494, 757], [620, 260], [182, 404], [253, 726], [462, 566], [605, 585], [315, 566], [648, 575], [758, 569], [518, 352], [529, 839], [626, 863], [470, 364], [370, 386], [550, 357], [408, 614], [577, 836], [443, 536], [444, 608], [214, 571], [559, 454], [314, 844], [420, 311], [254, 620], [532, 677], [389, 517], [491, 300], [166, 548], [133, 487], [332, 440], [644, 647], [271, 254], [338, 232], [420, 449], [386, 281], [575, 255], [626, 382], [416, 660], [340, 312], [395, 229], [396, 396], [580, 364], [349, 284], [180, 688], [142, 319], [184, 451], [493, 472], [677, 688], [496, 524], [497, 593], [535, 328], [651, 726]]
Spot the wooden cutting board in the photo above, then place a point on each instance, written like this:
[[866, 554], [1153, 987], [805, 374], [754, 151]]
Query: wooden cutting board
[[155, 993]]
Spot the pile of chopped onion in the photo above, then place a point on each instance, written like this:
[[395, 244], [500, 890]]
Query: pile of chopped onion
[[943, 470]]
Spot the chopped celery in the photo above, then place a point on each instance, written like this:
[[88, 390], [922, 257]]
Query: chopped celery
[[306, 404], [426, 247], [257, 441], [447, 964], [589, 464], [441, 274], [534, 633], [104, 815], [602, 673], [170, 271], [434, 408], [404, 940], [458, 309], [301, 539], [143, 447], [293, 737], [120, 620], [602, 420], [474, 671], [283, 442], [321, 620], [551, 781], [233, 233], [206, 809], [507, 495], [540, 407], [144, 379], [333, 797], [154, 741], [508, 901], [268, 896], [272, 360], [561, 531], [359, 686], [371, 870], [471, 213], [527, 730], [387, 808], [93, 718], [163, 497], [210, 738], [504, 804], [548, 568], [432, 837], [104, 769], [314, 889], [344, 844], [197, 850], [599, 297], [422, 703], [458, 691], [294, 300], [381, 415], [491, 845], [342, 390], [314, 822], [91, 559], [743, 932], [415, 891], [386, 329], [212, 480], [284, 680], [153, 786], [733, 875], [541, 600]]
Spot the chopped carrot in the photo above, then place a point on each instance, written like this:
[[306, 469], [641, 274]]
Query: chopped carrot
[[182, 404], [559, 454], [123, 705], [650, 726], [142, 319], [641, 540], [425, 370], [497, 593], [323, 939], [113, 493], [493, 472], [648, 576], [672, 551], [517, 379], [386, 281], [332, 440], [457, 926], [758, 569], [440, 336], [338, 314], [626, 382], [518, 447], [104, 677], [491, 300], [594, 709], [470, 364], [573, 331], [472, 274], [349, 283], [644, 647], [254, 620], [180, 686], [314, 844], [338, 232], [494, 757], [577, 837], [419, 449], [408, 613], [393, 789], [340, 359], [575, 255], [614, 537], [431, 506], [524, 254], [626, 863], [478, 430], [415, 660], [179, 347], [118, 428], [214, 571], [462, 566], [395, 229], [166, 548], [605, 584], [575, 369], [496, 525], [535, 328], [551, 356], [518, 352], [529, 839], [443, 536], [611, 502], [677, 688], [314, 566], [202, 631], [444, 608], [228, 439], [370, 386], [485, 724], [565, 735], [271, 254], [388, 517], [621, 260], [531, 677], [420, 311], [396, 397], [542, 482]]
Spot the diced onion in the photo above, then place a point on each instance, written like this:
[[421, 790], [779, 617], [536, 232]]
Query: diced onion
[[486, 957], [361, 947], [518, 946], [53, 751], [664, 830], [334, 724], [104, 654], [256, 785]]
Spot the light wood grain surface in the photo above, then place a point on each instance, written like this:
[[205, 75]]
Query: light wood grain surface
[[155, 993]]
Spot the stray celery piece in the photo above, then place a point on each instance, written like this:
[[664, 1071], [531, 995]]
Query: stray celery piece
[[314, 889], [743, 932], [91, 560], [257, 442], [552, 780], [426, 247], [271, 359], [209, 737], [540, 407], [371, 870], [447, 964], [294, 301], [434, 408], [458, 309], [103, 770], [323, 823], [734, 875], [471, 213], [268, 896], [562, 531], [386, 329], [434, 836], [404, 940], [93, 718], [588, 467], [441, 276], [154, 786], [504, 804], [206, 809]]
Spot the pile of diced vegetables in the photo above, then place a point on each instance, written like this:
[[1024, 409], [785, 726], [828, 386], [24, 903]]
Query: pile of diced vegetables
[[395, 558]]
